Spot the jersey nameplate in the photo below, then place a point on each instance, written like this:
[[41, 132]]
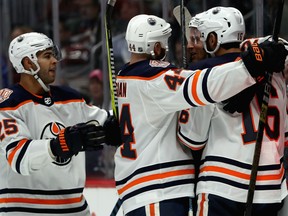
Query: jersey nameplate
[[156, 63]]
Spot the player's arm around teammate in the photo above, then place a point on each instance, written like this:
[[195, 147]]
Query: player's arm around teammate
[[153, 173]]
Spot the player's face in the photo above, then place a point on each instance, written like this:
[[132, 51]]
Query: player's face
[[195, 46], [47, 63]]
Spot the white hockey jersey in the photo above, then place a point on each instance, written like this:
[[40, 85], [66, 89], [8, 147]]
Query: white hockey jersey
[[31, 183], [151, 166], [229, 142]]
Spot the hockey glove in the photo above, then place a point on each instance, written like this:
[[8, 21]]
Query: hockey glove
[[240, 102], [112, 132], [267, 56], [80, 137]]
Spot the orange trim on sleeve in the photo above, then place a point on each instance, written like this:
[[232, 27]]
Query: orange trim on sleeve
[[194, 88], [242, 175], [41, 201], [12, 154], [155, 177]]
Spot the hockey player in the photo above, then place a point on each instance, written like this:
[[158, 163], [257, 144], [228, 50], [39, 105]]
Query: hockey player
[[223, 30], [221, 37], [195, 46], [43, 139], [154, 173], [229, 136]]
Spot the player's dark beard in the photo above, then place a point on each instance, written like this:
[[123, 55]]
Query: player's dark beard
[[162, 55], [209, 48]]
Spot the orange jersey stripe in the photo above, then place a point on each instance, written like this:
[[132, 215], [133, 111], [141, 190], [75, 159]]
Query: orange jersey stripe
[[194, 88], [155, 177], [152, 209], [41, 201], [31, 101], [69, 101], [143, 78], [12, 154], [242, 175], [16, 107], [201, 212]]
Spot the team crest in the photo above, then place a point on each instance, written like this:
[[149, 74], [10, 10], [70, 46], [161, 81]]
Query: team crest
[[5, 94], [156, 63], [52, 129]]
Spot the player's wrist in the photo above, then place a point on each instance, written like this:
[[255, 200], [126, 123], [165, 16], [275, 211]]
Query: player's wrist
[[53, 156], [60, 146]]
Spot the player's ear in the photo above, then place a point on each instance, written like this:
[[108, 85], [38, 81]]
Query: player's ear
[[28, 64], [157, 48], [212, 41]]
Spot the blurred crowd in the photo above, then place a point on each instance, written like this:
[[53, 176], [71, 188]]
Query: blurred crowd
[[81, 38]]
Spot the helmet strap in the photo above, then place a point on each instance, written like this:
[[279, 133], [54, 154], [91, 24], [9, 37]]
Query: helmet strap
[[45, 87], [212, 53], [34, 73], [153, 56]]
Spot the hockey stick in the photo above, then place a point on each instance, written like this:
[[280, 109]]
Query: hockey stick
[[177, 12], [262, 119], [110, 57], [116, 207], [183, 30], [184, 35], [183, 18], [112, 75]]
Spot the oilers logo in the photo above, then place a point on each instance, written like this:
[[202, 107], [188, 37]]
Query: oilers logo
[[50, 130]]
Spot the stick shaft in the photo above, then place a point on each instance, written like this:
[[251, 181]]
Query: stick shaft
[[262, 119], [110, 57], [183, 30], [112, 75]]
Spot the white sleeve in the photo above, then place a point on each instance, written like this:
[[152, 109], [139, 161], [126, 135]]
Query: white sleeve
[[183, 89], [193, 126], [92, 112], [23, 154]]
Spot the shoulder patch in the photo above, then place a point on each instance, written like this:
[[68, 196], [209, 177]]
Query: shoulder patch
[[5, 94], [156, 63]]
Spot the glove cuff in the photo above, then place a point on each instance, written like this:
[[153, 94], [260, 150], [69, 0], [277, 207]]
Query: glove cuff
[[62, 141], [59, 146], [253, 60]]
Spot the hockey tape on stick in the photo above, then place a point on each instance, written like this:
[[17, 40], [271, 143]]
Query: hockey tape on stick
[[116, 207], [262, 119], [110, 57], [177, 12]]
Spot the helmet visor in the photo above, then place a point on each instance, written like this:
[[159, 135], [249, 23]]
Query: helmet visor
[[57, 53]]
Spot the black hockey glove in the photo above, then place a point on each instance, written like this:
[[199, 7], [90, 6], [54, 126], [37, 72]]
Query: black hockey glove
[[240, 102], [112, 132], [267, 56], [80, 137]]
